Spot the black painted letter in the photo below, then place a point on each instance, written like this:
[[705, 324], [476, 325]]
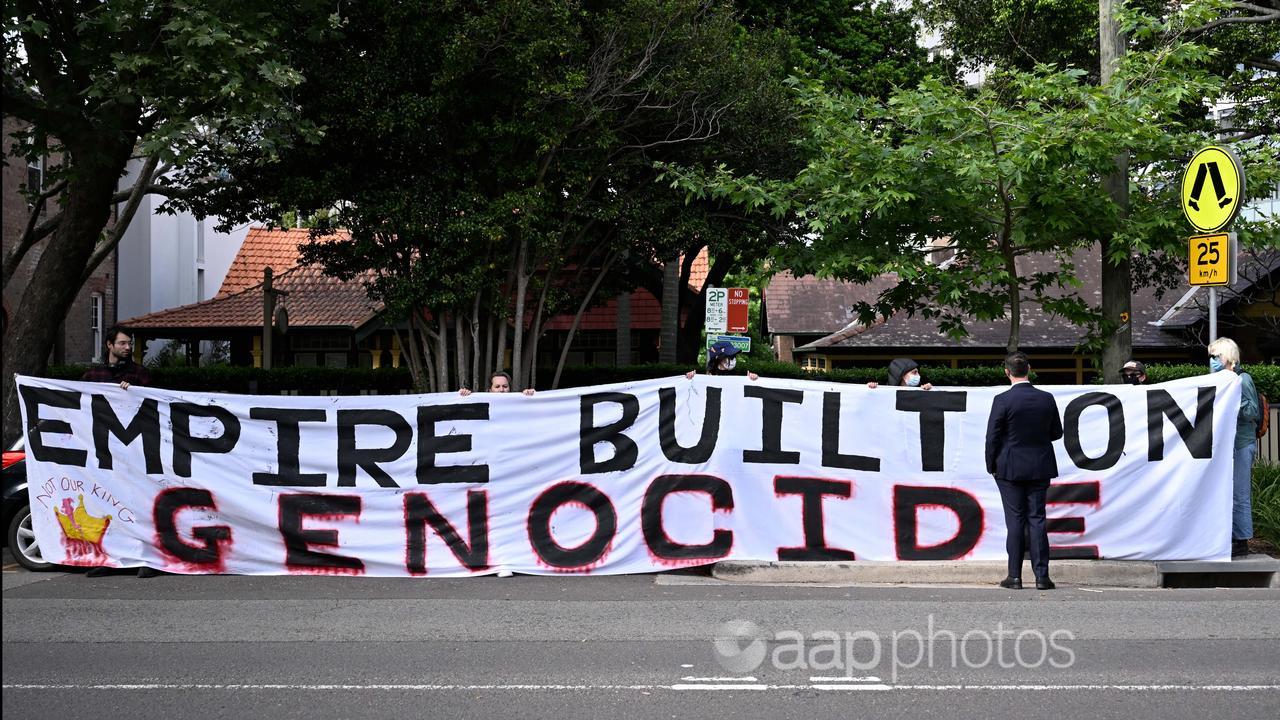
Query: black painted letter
[[419, 512], [831, 455], [165, 515], [298, 541], [933, 427], [1115, 430], [671, 447], [812, 490], [590, 551], [625, 451], [1198, 437], [771, 426], [32, 399], [655, 535], [289, 447], [430, 444], [350, 457], [184, 444], [908, 499]]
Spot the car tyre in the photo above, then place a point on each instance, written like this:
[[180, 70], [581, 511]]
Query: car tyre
[[22, 542]]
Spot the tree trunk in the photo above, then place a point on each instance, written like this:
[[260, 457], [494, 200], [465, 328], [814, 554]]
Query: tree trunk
[[53, 287], [623, 343], [522, 287], [476, 329], [1117, 282], [577, 319], [669, 334], [460, 351], [442, 353], [695, 304]]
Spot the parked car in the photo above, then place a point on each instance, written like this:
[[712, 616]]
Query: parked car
[[21, 538]]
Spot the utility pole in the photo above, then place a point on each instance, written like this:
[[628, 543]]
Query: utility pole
[[1117, 282], [268, 310]]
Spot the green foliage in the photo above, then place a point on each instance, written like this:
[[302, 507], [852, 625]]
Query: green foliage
[[256, 381], [1266, 502], [1020, 34], [869, 47], [510, 160], [989, 175], [1265, 377]]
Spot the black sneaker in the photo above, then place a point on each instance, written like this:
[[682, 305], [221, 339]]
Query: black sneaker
[[1239, 548]]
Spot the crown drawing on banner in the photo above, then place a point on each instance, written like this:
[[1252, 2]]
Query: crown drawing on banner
[[78, 524]]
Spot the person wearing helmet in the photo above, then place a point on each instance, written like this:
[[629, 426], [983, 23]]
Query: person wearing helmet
[[904, 372], [721, 358]]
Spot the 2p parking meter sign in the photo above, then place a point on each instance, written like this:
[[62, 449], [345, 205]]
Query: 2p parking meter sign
[[727, 310]]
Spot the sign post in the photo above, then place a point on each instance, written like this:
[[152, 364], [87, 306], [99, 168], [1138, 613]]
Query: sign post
[[1212, 194], [717, 310], [739, 307]]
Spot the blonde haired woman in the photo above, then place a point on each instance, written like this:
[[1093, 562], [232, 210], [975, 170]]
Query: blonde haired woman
[[1224, 354]]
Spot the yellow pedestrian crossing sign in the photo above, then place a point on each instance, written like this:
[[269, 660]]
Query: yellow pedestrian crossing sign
[[1212, 189]]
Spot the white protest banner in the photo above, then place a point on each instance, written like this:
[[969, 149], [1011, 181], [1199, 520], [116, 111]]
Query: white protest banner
[[622, 478]]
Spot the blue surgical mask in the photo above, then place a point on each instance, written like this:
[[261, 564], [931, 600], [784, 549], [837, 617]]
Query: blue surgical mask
[[1215, 364], [913, 380]]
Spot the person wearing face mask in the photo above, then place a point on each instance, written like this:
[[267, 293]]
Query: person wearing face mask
[[904, 372], [1134, 372], [722, 357], [1224, 354]]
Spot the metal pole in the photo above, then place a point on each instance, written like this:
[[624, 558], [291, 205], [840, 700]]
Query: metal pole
[[1213, 314], [268, 308]]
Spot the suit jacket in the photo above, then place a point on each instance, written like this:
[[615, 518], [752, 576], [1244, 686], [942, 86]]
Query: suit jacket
[[1023, 424]]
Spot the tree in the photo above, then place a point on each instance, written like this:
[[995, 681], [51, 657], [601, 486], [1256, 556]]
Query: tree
[[988, 175], [502, 176], [1245, 38], [175, 85]]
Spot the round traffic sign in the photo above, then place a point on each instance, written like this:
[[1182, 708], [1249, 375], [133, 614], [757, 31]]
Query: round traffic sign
[[1212, 189]]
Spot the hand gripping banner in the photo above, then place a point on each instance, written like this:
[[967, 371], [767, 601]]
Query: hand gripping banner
[[622, 478]]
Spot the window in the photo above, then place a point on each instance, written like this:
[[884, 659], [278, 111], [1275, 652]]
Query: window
[[35, 180], [811, 362], [319, 341], [95, 325]]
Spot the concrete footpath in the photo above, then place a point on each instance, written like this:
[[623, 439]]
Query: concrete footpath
[[1253, 571]]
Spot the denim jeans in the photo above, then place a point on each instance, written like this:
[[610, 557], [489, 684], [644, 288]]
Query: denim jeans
[[1242, 492]]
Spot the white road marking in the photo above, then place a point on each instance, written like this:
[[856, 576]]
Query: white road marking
[[823, 678], [587, 686], [747, 678]]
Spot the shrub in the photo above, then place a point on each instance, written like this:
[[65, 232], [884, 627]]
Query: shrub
[[1265, 377], [1266, 502]]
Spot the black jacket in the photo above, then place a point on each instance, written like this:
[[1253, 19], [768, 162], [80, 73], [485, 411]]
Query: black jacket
[[1023, 424]]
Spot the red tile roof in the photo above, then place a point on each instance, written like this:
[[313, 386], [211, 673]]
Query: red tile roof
[[317, 300], [646, 314], [314, 300], [262, 247]]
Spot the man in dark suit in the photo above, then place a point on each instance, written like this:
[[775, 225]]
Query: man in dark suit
[[1023, 424]]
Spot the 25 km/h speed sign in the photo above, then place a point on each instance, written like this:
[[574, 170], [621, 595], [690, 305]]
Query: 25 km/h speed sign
[[1212, 189], [1212, 259]]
